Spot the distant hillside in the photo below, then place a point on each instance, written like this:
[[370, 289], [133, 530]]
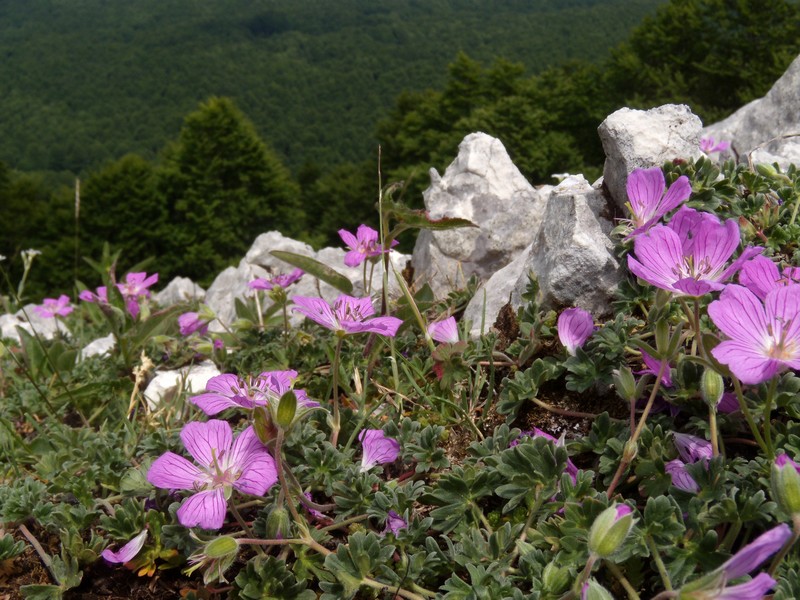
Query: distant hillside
[[85, 81]]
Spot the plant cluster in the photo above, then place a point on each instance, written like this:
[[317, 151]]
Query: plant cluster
[[375, 452]]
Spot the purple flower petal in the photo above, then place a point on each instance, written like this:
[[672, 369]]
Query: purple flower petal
[[128, 552], [755, 589], [680, 477], [692, 448], [205, 509], [574, 326], [378, 449], [173, 472], [751, 556], [207, 441], [445, 331]]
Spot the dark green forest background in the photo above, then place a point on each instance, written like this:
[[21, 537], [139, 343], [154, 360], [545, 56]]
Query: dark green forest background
[[195, 126]]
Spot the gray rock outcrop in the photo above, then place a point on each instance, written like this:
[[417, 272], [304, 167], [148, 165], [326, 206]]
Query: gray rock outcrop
[[646, 138], [767, 129], [481, 185], [180, 289], [572, 257]]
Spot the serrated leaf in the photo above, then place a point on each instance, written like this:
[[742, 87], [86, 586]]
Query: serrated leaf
[[317, 269]]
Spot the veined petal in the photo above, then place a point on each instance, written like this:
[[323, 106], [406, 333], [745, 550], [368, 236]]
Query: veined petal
[[659, 257], [687, 222], [750, 557], [444, 331], [681, 479], [759, 275], [745, 256], [173, 472], [353, 258], [739, 314], [245, 444], [366, 235], [693, 287], [348, 238], [645, 187], [315, 309], [387, 326], [748, 365], [204, 441], [259, 474], [574, 327], [377, 448], [676, 195], [755, 589], [205, 509], [782, 307], [350, 308], [713, 246], [128, 551]]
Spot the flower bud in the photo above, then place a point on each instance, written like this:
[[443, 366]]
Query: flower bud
[[629, 451], [625, 384], [278, 523], [766, 170], [555, 579], [287, 407], [785, 483], [214, 558], [712, 387], [594, 591], [610, 529]]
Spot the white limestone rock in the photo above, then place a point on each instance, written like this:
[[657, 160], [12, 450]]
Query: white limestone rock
[[180, 289], [639, 139], [99, 347], [483, 186], [191, 379], [572, 257]]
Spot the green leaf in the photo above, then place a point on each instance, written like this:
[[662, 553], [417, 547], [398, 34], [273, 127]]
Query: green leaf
[[319, 270], [42, 592]]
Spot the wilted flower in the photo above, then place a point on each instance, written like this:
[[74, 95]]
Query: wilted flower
[[52, 307], [377, 448], [394, 523], [349, 315], [283, 280], [214, 557], [361, 246], [574, 326], [128, 552], [445, 331], [229, 391], [692, 448], [689, 256], [709, 145], [647, 199], [680, 477], [244, 464], [135, 286], [764, 338]]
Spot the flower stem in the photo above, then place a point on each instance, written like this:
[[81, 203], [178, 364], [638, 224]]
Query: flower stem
[[767, 418], [662, 570], [625, 462], [737, 386], [335, 401], [615, 570]]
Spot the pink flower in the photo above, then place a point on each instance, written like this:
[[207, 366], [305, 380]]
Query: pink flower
[[445, 331], [361, 246], [760, 275], [128, 552], [764, 338], [653, 367], [709, 145], [190, 322], [692, 448], [574, 326], [135, 286], [689, 256], [680, 477], [647, 199], [229, 391], [283, 280], [100, 297], [52, 307], [244, 464], [349, 315], [378, 449]]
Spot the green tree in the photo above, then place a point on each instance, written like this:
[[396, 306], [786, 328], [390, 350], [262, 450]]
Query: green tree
[[715, 55], [119, 205], [221, 187]]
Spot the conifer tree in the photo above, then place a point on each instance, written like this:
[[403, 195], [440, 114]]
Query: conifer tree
[[222, 187]]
